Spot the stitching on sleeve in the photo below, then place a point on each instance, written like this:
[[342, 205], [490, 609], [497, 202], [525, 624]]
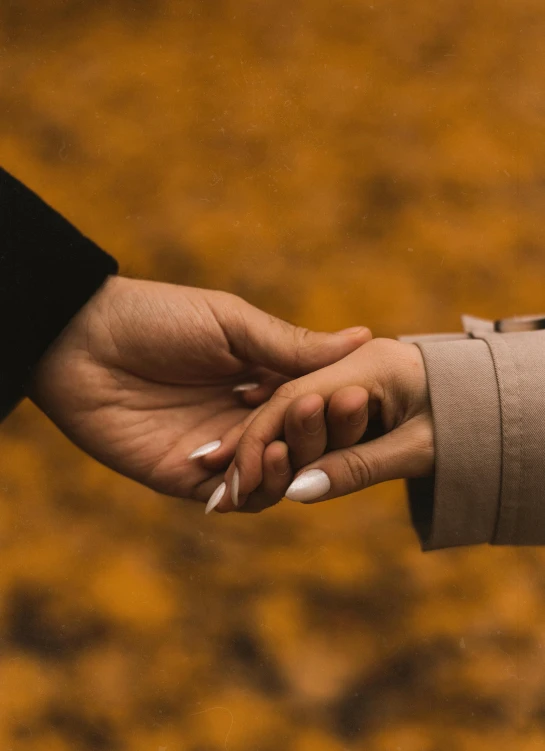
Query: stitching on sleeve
[[511, 424]]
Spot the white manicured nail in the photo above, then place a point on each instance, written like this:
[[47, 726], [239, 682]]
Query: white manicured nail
[[235, 484], [215, 498], [310, 485], [208, 448], [245, 387]]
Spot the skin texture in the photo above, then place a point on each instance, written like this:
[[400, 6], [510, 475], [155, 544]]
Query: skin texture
[[393, 377], [144, 375]]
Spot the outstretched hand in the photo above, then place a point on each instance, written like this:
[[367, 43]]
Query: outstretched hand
[[144, 374]]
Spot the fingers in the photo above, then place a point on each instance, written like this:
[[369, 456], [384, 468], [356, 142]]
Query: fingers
[[277, 471], [305, 424], [404, 453], [268, 425], [306, 439], [219, 453], [251, 447], [305, 429], [277, 476], [347, 416], [262, 339]]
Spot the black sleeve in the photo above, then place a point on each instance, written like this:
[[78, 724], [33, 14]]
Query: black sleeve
[[48, 271]]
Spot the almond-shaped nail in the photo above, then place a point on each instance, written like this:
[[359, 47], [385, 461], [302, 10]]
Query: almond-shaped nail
[[208, 448], [215, 498], [245, 387], [235, 484], [310, 485]]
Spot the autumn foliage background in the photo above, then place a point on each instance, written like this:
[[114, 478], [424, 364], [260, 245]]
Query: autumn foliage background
[[337, 163]]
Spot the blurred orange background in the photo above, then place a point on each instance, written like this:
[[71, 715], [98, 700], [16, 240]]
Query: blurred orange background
[[336, 163]]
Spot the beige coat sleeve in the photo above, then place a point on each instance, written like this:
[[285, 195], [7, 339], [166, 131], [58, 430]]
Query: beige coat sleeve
[[488, 402]]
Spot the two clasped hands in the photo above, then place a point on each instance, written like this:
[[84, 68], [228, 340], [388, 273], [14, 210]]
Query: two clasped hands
[[198, 394]]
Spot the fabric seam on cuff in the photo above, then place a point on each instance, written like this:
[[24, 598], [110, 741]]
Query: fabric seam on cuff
[[511, 450]]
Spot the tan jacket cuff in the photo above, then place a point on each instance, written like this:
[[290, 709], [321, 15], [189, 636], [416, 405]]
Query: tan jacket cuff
[[488, 404], [519, 361], [459, 506]]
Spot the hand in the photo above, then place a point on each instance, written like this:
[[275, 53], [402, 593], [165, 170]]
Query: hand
[[393, 375], [144, 374], [308, 433]]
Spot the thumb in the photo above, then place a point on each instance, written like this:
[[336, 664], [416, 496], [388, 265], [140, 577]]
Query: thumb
[[262, 339], [406, 452]]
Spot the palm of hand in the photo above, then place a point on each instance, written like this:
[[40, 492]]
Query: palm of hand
[[162, 375]]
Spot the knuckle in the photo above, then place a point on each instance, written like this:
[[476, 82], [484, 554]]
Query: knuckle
[[234, 309], [302, 335], [287, 391], [426, 437], [247, 445], [424, 444], [356, 469], [388, 355], [226, 303], [384, 346], [228, 298], [307, 347], [308, 342], [249, 454]]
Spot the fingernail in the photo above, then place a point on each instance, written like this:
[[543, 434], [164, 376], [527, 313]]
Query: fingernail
[[235, 484], [310, 485], [352, 330], [356, 418], [215, 498], [208, 448], [313, 423], [245, 387]]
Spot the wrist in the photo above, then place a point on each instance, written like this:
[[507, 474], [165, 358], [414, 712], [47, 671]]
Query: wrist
[[74, 337]]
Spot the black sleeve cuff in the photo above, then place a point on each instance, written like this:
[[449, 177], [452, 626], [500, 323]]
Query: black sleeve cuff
[[48, 271]]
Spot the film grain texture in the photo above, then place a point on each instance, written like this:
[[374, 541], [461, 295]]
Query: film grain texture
[[378, 163]]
